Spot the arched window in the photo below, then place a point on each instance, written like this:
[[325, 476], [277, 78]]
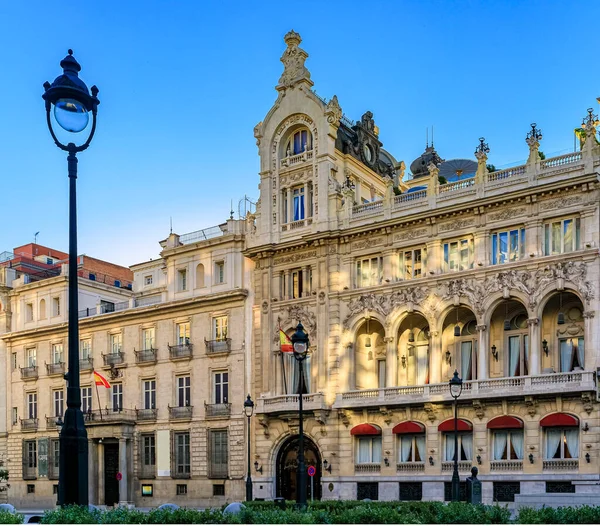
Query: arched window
[[299, 141], [468, 351], [42, 309], [199, 275]]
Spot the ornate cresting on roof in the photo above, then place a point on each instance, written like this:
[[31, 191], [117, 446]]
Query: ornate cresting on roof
[[293, 59]]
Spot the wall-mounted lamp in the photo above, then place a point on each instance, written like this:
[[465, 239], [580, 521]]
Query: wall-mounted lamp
[[495, 352], [587, 458], [368, 338], [411, 336], [257, 468], [431, 461], [545, 347], [327, 466], [386, 461], [479, 459], [403, 361], [448, 357], [531, 457], [586, 427]]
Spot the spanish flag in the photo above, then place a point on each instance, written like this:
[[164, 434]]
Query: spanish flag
[[285, 344], [100, 380]]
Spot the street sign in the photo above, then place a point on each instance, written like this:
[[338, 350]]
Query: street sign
[[311, 471], [119, 476]]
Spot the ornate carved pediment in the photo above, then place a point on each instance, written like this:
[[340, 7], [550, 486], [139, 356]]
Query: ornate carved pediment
[[333, 111], [296, 313]]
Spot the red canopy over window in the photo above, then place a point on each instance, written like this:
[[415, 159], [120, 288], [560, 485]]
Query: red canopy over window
[[461, 425], [408, 427], [559, 420], [505, 422], [366, 429]]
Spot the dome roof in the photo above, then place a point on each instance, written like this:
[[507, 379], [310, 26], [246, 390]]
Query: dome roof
[[419, 166]]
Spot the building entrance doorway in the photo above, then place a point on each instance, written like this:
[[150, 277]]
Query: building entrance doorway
[[111, 468], [287, 469]]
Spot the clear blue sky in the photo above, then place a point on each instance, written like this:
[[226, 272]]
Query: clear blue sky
[[182, 84]]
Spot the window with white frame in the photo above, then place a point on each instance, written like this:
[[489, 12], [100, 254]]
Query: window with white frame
[[465, 446], [149, 389], [115, 341], [572, 353], [411, 448], [56, 306], [183, 333], [182, 279], [219, 272], [85, 349], [86, 399], [562, 236], [508, 246], [183, 391], [369, 272], [148, 337], [14, 361], [32, 407], [221, 387], [458, 255], [59, 402], [411, 263], [507, 444], [220, 328], [298, 203], [368, 450], [117, 397], [148, 280], [300, 141], [31, 357], [57, 353], [561, 443]]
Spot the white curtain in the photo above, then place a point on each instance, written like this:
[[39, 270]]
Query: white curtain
[[422, 355], [449, 447], [580, 351], [526, 360], [465, 359], [420, 450], [572, 437], [405, 447], [514, 350], [516, 437], [376, 449], [553, 437], [499, 444], [566, 355], [364, 450], [467, 445]]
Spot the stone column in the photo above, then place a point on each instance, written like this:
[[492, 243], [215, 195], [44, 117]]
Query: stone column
[[100, 477], [123, 470], [305, 271], [481, 251], [434, 257], [591, 361], [92, 476], [280, 282], [534, 345], [534, 238], [435, 360], [388, 266], [287, 285], [391, 376], [351, 383], [483, 353]]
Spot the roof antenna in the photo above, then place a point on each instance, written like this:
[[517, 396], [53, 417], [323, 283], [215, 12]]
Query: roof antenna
[[35, 238], [427, 137], [231, 211], [171, 223], [432, 135]]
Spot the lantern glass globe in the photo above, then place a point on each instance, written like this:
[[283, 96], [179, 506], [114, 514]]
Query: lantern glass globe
[[71, 115]]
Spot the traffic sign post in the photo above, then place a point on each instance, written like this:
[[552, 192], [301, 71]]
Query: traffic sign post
[[311, 473]]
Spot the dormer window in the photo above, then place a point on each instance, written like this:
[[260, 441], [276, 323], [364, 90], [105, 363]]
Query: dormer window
[[300, 141]]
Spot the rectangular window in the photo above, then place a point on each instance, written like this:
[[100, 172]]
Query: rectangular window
[[368, 450], [218, 490], [182, 279], [218, 453], [59, 402], [181, 489], [182, 453], [369, 272], [562, 236], [15, 415], [30, 488], [458, 255], [117, 397], [298, 203], [56, 306], [31, 356], [148, 338], [54, 460], [508, 246], [411, 448], [562, 443], [518, 355], [468, 359], [115, 343], [85, 349], [221, 387], [57, 353], [220, 328], [149, 450], [572, 352], [148, 280], [32, 405], [296, 277], [86, 399], [183, 333], [14, 361], [508, 445], [31, 454], [220, 272], [465, 446], [29, 312], [149, 394], [412, 263], [381, 373], [183, 391]]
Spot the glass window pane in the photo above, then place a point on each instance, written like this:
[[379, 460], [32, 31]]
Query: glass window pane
[[556, 235], [418, 264], [494, 249], [522, 247], [503, 251], [577, 234], [514, 245], [568, 235], [547, 248]]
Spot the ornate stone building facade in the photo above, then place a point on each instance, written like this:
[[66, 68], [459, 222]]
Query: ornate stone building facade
[[173, 351], [400, 282]]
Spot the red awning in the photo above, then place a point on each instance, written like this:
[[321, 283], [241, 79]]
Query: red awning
[[461, 425], [559, 420], [505, 422], [408, 427], [366, 429]]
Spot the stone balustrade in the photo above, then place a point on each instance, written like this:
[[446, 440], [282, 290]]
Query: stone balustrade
[[287, 403]]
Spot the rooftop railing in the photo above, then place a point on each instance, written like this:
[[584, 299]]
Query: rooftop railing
[[201, 235]]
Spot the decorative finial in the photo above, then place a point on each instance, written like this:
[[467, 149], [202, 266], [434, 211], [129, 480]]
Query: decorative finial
[[293, 59], [70, 51], [482, 148], [292, 38]]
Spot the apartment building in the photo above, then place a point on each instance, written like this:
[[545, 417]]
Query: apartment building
[[402, 278]]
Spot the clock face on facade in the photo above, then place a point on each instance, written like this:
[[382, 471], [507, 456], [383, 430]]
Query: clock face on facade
[[368, 153]]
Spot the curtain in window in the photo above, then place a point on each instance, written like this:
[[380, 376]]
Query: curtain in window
[[376, 450], [420, 449], [514, 355], [566, 355], [297, 208], [572, 438], [553, 437], [499, 444], [465, 360], [526, 354], [405, 447], [516, 437], [449, 447], [580, 351], [422, 355], [364, 447], [467, 445]]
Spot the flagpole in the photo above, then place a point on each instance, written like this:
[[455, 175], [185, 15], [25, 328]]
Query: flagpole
[[283, 372], [98, 395]]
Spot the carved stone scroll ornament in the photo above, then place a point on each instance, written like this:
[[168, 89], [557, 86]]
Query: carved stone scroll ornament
[[531, 405], [333, 111], [431, 411], [263, 420], [344, 416], [479, 408], [588, 402], [296, 313]]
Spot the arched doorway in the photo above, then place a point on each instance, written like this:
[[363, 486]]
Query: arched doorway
[[287, 466]]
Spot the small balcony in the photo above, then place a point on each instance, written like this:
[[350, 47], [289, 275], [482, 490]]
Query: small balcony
[[145, 357], [113, 358], [371, 467], [29, 373], [559, 464], [181, 352], [218, 346], [181, 413], [289, 403], [217, 410], [506, 465], [51, 422], [148, 415], [410, 467], [293, 160], [109, 416], [55, 369], [28, 425], [86, 364], [464, 466]]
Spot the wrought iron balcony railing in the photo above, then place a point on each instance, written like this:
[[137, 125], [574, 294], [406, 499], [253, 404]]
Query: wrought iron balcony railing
[[51, 422], [178, 352], [181, 413], [146, 356], [55, 368], [146, 414], [218, 346], [29, 424], [86, 364], [29, 373], [113, 358], [217, 410]]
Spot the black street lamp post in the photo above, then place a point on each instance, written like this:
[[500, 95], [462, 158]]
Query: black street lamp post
[[456, 385], [72, 105], [300, 345], [248, 410]]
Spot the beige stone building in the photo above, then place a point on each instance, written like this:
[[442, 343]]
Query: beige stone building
[[401, 279], [173, 351]]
